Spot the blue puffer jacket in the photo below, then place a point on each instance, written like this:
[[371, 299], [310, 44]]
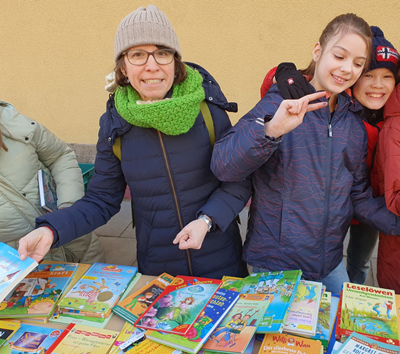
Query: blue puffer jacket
[[307, 185], [171, 184]]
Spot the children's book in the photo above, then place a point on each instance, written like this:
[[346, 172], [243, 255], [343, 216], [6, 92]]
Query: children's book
[[7, 329], [30, 339], [179, 305], [288, 343], [98, 290], [215, 311], [360, 344], [47, 191], [282, 285], [239, 326], [128, 335], [326, 318], [12, 269], [37, 295], [135, 304], [303, 315], [149, 347], [78, 339], [92, 321], [370, 311], [249, 349]]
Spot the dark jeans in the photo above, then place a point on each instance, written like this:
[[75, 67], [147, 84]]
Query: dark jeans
[[359, 251]]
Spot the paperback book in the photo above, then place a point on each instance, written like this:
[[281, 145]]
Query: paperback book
[[37, 295], [239, 326], [288, 343], [369, 311], [128, 336], [133, 306], [12, 269], [215, 311], [47, 191], [98, 290], [249, 349], [7, 329], [179, 305], [303, 315], [360, 344]]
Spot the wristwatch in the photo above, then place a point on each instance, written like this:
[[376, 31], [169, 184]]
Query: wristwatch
[[207, 221]]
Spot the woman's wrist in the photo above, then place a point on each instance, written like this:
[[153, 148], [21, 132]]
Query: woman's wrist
[[207, 220]]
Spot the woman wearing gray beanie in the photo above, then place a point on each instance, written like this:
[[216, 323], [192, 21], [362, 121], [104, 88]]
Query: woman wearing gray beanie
[[156, 137]]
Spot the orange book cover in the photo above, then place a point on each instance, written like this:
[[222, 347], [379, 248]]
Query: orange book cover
[[287, 343]]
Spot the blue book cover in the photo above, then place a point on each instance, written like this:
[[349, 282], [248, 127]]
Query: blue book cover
[[359, 344], [30, 339], [98, 290], [47, 191], [12, 269], [219, 305]]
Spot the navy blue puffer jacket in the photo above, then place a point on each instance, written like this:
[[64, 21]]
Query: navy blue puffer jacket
[[308, 184], [171, 184]]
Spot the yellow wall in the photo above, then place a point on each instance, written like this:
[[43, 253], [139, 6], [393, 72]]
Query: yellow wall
[[54, 54]]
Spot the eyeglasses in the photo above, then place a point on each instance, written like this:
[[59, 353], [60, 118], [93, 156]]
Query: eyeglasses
[[140, 57]]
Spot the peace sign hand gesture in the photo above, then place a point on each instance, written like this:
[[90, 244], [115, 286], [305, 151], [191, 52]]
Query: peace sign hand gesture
[[290, 114]]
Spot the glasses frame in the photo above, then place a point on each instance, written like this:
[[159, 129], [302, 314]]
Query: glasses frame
[[148, 55]]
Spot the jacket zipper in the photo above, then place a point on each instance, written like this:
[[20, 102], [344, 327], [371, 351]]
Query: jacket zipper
[[175, 197]]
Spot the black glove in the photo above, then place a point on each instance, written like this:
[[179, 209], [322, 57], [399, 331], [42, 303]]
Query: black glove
[[291, 83]]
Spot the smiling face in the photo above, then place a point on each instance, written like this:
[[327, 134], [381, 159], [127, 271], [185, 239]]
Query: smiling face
[[340, 63], [152, 81], [373, 89]]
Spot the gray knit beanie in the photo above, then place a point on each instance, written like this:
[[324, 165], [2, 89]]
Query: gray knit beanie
[[145, 25]]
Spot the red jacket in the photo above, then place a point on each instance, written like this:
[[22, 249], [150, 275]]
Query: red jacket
[[387, 167]]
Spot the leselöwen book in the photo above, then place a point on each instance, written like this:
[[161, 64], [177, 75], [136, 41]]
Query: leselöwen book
[[47, 191], [221, 303], [98, 290], [179, 305], [370, 311], [12, 269], [360, 344]]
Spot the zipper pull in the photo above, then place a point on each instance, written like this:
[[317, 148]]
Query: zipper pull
[[330, 130]]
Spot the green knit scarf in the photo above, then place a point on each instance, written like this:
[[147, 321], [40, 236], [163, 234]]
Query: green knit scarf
[[173, 116]]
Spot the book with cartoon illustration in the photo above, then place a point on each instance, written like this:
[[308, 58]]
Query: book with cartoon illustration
[[215, 311], [289, 343], [31, 339], [360, 344], [79, 339], [370, 311], [249, 349], [179, 305], [282, 285], [12, 269], [98, 290], [303, 314], [129, 334], [37, 295], [7, 329], [47, 191], [326, 318], [239, 325], [135, 304]]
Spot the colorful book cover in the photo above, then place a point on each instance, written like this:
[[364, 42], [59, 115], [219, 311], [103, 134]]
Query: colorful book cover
[[249, 349], [288, 343], [78, 339], [98, 290], [12, 269], [47, 191], [90, 321], [239, 326], [282, 285], [326, 318], [179, 305], [37, 295], [7, 329], [370, 311], [303, 315], [149, 347], [132, 307], [215, 311], [126, 337], [360, 344], [31, 339]]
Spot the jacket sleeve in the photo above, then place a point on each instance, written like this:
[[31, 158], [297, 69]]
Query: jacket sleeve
[[102, 200], [367, 209], [389, 146], [245, 147], [61, 161]]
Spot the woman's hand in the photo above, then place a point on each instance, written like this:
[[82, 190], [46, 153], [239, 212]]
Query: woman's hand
[[192, 235], [290, 114], [36, 244]]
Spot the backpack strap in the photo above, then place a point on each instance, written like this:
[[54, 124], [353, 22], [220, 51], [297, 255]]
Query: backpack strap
[[205, 111]]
